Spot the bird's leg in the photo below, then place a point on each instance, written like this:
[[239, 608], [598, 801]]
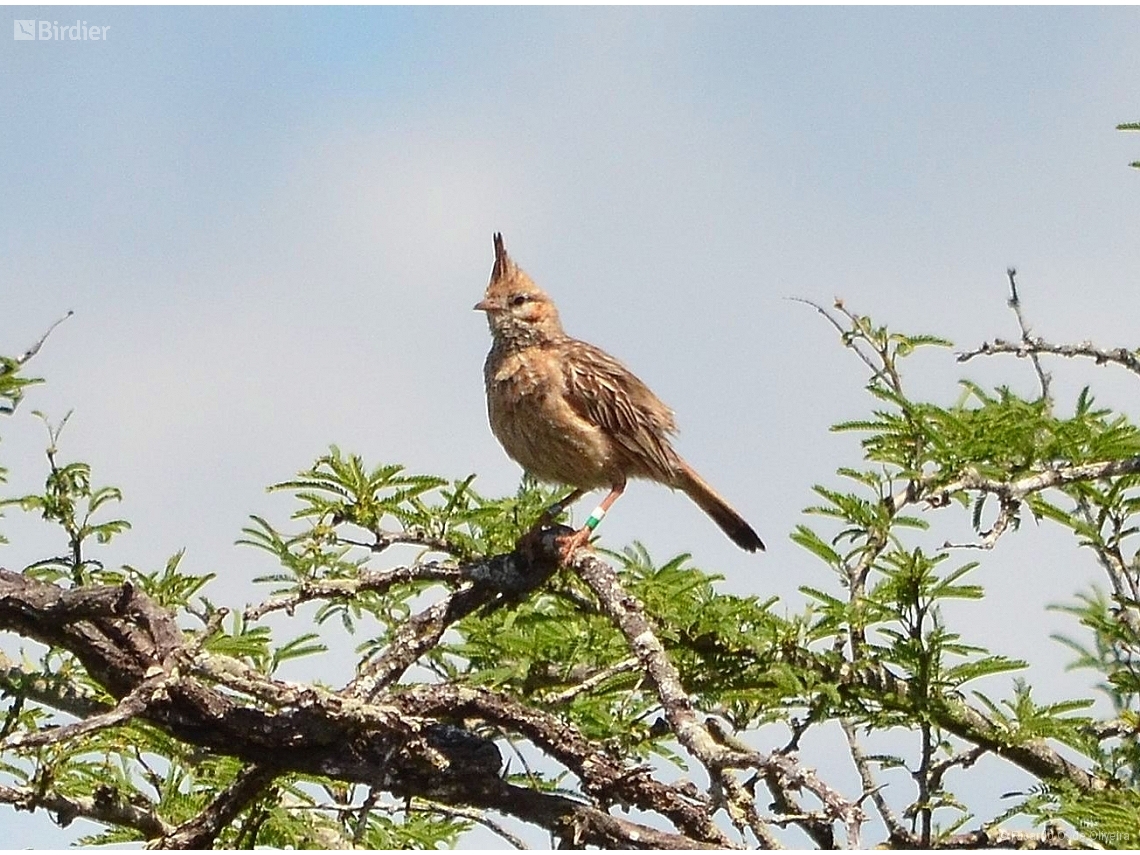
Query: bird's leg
[[555, 511], [582, 536], [548, 517]]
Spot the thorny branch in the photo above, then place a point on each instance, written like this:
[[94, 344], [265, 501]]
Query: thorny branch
[[850, 341], [417, 740], [901, 837], [13, 393]]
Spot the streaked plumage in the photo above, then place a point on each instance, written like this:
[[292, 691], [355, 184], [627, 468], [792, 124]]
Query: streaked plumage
[[570, 413]]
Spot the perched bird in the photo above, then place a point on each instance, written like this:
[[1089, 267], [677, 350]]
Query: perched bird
[[571, 414]]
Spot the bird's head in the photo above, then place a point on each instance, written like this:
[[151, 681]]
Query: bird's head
[[518, 311]]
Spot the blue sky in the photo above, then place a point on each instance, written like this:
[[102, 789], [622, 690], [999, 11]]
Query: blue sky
[[272, 224]]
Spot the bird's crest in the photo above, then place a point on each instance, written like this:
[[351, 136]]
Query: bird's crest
[[504, 266]]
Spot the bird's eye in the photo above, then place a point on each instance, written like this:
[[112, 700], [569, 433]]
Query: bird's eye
[[519, 299]]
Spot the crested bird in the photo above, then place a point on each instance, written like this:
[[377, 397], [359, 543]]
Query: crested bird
[[571, 414]]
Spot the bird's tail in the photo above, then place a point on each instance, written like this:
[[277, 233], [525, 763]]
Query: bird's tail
[[709, 501]]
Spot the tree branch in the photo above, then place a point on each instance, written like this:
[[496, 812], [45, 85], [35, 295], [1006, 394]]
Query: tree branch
[[960, 719], [630, 619], [121, 636], [494, 581], [602, 775], [48, 690], [202, 831], [1054, 477], [370, 581], [896, 830], [132, 705], [479, 817], [106, 806], [1030, 347]]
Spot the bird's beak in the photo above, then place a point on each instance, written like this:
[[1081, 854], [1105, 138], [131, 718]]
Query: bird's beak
[[482, 306]]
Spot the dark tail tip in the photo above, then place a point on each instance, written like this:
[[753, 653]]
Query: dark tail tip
[[721, 512], [746, 538]]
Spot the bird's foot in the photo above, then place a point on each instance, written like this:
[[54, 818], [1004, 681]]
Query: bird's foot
[[569, 544], [541, 540]]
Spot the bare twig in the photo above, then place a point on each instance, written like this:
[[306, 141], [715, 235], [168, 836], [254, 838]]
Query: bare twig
[[476, 816], [591, 683], [1007, 516], [1014, 303], [410, 537], [35, 348], [871, 790], [371, 802], [964, 760], [1129, 359], [848, 341]]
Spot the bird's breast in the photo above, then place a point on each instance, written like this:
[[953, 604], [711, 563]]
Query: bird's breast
[[529, 415]]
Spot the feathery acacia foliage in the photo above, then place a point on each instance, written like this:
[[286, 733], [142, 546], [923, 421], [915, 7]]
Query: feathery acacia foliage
[[495, 687]]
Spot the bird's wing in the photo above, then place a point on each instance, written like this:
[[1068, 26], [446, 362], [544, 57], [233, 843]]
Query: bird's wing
[[605, 393]]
